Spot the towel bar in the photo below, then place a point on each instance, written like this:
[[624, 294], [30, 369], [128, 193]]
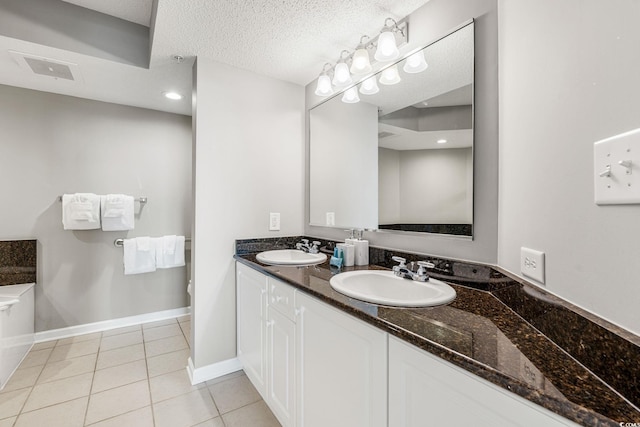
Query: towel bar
[[142, 199], [120, 242]]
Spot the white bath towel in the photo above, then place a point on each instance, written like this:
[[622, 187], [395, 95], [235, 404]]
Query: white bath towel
[[81, 211], [139, 256], [117, 212], [169, 251]]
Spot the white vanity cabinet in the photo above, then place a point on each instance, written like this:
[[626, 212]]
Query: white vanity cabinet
[[426, 390], [266, 339], [251, 288], [281, 354], [341, 369]]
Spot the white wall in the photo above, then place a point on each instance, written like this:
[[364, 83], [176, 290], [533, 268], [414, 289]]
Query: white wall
[[389, 186], [434, 186], [248, 161], [346, 138], [569, 75], [427, 24], [52, 144]]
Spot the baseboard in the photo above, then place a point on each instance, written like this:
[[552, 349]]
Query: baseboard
[[71, 331], [215, 370]]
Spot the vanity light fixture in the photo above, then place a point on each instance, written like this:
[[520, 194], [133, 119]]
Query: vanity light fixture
[[369, 86], [351, 96], [174, 96], [323, 87], [390, 76], [387, 48], [393, 34], [415, 63], [341, 74], [361, 63]]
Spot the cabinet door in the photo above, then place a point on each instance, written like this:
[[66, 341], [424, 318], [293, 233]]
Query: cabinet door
[[281, 367], [425, 390], [251, 318], [341, 368]]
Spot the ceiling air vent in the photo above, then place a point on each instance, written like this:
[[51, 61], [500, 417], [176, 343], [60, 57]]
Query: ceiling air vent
[[47, 67], [384, 134]]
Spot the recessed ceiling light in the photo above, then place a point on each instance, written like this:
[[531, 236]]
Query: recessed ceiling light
[[441, 141], [172, 95]]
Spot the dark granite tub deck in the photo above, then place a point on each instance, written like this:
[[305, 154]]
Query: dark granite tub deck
[[17, 262]]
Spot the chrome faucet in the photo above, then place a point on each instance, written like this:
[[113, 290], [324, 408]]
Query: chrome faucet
[[405, 272], [312, 248]]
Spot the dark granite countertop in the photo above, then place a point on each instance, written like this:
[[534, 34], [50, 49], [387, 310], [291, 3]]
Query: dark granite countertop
[[501, 329]]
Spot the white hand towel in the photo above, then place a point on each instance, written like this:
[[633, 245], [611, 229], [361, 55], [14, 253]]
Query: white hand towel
[[138, 261], [81, 211], [117, 212], [169, 244], [169, 251]]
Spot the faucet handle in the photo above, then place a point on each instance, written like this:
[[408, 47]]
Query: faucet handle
[[401, 260], [316, 243], [423, 267], [305, 241]]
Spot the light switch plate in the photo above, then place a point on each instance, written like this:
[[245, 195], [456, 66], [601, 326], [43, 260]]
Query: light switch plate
[[532, 264], [617, 169], [274, 221], [331, 218]]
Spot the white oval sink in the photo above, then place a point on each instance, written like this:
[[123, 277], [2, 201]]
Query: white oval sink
[[290, 257], [383, 287]]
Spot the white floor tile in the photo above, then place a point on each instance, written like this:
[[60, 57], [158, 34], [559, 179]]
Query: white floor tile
[[142, 417], [68, 368], [59, 391], [185, 410], [68, 414], [118, 401], [120, 375], [119, 356]]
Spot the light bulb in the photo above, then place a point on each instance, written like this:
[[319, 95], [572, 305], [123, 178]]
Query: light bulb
[[415, 63], [341, 76], [441, 141], [361, 63], [369, 86], [390, 76], [387, 49], [351, 96], [174, 96], [323, 87]]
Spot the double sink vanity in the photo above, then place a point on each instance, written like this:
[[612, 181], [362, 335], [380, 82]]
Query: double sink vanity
[[502, 350]]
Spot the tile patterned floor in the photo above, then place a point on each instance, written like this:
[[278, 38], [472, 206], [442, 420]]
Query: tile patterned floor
[[127, 377]]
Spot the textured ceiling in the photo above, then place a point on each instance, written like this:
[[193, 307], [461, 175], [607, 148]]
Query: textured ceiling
[[286, 39]]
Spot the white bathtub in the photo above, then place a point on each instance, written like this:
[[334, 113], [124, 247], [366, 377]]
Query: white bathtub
[[16, 327]]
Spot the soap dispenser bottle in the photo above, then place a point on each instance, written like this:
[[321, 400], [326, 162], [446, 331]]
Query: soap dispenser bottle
[[361, 249]]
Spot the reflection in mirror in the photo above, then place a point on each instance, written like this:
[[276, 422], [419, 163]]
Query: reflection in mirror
[[401, 159]]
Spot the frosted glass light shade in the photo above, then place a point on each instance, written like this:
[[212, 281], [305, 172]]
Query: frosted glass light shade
[[390, 76], [351, 96], [415, 63], [361, 63], [369, 86], [341, 75], [387, 49], [323, 88]]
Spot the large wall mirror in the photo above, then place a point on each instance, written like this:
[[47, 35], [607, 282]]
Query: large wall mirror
[[400, 159]]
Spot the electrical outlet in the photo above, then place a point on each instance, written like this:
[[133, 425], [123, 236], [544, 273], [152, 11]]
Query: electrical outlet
[[532, 264], [331, 218], [274, 221]]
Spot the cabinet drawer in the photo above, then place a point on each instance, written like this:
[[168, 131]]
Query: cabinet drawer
[[281, 298]]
